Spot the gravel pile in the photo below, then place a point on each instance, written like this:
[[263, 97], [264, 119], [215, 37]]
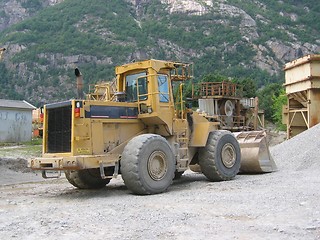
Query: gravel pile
[[301, 152], [15, 164]]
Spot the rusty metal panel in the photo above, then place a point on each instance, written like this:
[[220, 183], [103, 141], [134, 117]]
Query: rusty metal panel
[[313, 107], [302, 74], [303, 68], [303, 91], [285, 112]]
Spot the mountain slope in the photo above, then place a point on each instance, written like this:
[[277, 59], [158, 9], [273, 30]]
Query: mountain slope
[[232, 37]]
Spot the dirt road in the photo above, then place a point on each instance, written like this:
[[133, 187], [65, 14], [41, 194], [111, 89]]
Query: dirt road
[[280, 205]]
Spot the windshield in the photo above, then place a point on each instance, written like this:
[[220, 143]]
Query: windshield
[[133, 89]]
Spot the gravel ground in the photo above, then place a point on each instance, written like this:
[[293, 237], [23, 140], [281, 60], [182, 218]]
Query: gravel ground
[[279, 205]]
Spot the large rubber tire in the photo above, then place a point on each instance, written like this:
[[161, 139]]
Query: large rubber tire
[[220, 158], [147, 164], [86, 178]]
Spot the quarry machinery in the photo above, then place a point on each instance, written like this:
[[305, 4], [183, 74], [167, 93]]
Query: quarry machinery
[[224, 102], [141, 128], [302, 84]]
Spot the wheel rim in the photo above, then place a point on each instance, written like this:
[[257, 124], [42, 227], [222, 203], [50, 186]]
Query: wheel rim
[[228, 155], [157, 165]]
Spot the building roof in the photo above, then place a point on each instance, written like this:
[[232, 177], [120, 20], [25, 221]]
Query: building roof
[[16, 104]]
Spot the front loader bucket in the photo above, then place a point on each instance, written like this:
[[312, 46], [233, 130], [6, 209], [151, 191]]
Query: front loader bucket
[[255, 154]]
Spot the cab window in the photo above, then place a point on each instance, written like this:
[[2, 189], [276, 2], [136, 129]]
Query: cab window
[[163, 87], [136, 84]]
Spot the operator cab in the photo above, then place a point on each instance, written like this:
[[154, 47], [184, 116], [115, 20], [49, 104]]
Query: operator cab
[[136, 84], [149, 84]]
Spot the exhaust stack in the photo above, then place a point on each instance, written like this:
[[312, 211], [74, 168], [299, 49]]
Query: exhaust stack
[[79, 83]]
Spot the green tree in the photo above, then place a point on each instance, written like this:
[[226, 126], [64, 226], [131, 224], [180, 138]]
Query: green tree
[[278, 102], [266, 96], [249, 87], [214, 77]]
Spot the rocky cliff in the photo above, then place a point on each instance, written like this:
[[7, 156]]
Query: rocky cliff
[[47, 39], [275, 52], [15, 11]]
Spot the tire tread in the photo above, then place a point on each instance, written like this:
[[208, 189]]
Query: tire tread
[[130, 164], [207, 162]]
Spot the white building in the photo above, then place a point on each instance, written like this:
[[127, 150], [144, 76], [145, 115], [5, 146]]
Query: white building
[[15, 121]]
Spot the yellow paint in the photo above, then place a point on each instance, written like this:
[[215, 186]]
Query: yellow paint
[[83, 150]]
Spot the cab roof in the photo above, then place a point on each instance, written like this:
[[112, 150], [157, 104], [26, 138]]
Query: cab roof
[[151, 63]]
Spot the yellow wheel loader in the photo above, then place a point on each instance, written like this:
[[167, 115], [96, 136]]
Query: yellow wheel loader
[[138, 128]]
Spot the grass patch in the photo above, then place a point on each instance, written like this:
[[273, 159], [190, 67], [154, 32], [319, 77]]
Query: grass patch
[[34, 141], [21, 150]]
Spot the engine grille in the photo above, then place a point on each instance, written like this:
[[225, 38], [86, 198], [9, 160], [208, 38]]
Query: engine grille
[[59, 129]]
